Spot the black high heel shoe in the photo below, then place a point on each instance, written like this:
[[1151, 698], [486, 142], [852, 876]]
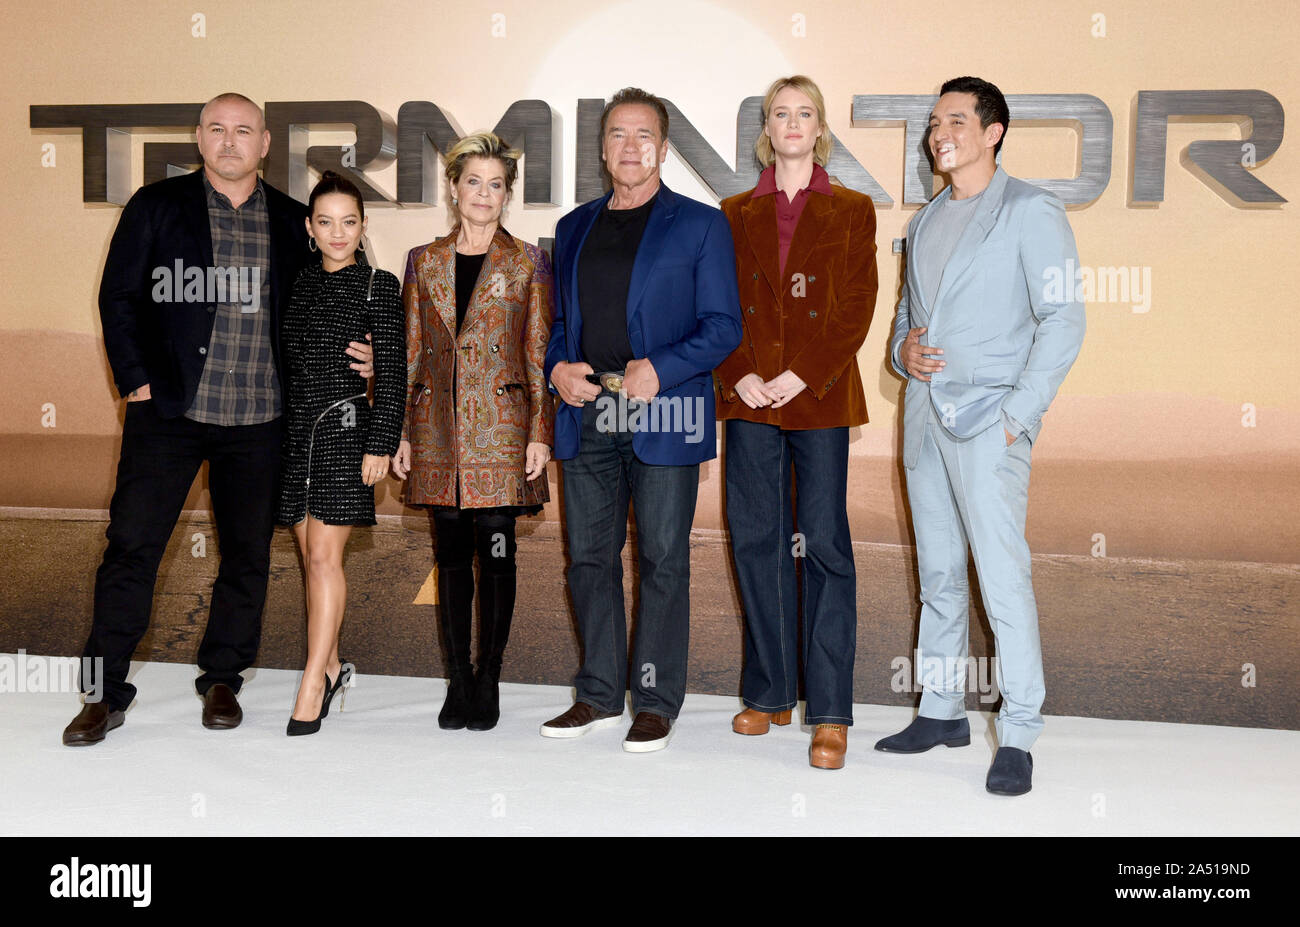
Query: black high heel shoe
[[297, 728], [346, 670]]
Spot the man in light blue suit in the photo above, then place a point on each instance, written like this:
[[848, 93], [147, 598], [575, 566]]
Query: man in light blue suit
[[646, 305], [984, 342]]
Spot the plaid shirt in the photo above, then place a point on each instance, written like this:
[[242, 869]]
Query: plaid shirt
[[239, 384]]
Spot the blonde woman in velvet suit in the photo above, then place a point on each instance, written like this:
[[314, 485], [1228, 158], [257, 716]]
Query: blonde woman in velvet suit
[[806, 262]]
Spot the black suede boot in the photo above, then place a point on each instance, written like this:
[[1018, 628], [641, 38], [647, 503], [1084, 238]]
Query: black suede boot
[[455, 615], [496, 603]]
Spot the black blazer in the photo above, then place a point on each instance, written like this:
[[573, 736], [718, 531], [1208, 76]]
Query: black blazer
[[164, 342]]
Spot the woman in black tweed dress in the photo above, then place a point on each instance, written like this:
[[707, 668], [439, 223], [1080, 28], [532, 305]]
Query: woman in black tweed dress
[[337, 447]]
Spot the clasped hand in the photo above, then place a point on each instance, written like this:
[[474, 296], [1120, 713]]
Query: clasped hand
[[640, 381], [776, 392]]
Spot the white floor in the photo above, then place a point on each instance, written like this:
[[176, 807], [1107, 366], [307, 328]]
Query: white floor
[[383, 767]]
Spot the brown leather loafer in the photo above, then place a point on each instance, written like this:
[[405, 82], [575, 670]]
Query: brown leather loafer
[[752, 722], [92, 724], [580, 719], [220, 708], [829, 744], [649, 732]]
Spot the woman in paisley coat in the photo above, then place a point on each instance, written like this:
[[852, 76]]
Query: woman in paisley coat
[[336, 447], [480, 423]]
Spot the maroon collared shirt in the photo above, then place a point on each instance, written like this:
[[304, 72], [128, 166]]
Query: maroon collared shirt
[[787, 212]]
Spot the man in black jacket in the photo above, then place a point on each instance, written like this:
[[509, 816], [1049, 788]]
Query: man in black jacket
[[197, 274]]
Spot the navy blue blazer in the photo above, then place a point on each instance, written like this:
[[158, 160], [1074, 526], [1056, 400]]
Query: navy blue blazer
[[683, 313]]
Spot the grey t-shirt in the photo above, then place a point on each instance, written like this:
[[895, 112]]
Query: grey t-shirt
[[941, 234]]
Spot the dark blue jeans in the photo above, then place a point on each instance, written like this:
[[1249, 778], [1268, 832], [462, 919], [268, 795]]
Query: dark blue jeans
[[598, 485], [762, 522]]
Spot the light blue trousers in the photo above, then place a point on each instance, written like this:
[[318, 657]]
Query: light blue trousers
[[976, 492]]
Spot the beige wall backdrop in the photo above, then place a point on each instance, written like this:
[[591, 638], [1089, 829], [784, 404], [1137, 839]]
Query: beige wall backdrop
[[1146, 443]]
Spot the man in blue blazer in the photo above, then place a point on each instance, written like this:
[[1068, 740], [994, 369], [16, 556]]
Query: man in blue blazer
[[646, 306], [984, 341]]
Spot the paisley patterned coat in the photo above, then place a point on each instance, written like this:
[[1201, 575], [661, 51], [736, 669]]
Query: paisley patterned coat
[[477, 399]]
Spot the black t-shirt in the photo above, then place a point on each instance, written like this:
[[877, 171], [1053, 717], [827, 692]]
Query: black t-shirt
[[604, 273], [468, 267]]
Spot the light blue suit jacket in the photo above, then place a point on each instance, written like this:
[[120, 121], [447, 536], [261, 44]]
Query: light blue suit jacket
[[1008, 328]]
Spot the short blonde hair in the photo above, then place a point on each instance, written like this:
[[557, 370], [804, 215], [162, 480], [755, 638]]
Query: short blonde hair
[[805, 85], [482, 145]]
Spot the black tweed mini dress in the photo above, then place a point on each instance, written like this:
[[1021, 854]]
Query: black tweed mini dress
[[331, 423]]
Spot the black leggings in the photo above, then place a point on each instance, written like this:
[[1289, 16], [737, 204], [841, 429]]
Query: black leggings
[[460, 533]]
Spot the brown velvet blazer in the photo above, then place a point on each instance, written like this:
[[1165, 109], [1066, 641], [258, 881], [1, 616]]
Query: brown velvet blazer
[[476, 435], [812, 325]]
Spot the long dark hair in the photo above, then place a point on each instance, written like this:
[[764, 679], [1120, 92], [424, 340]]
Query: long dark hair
[[334, 182]]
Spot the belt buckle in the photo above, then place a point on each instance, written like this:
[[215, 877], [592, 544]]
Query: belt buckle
[[612, 382]]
